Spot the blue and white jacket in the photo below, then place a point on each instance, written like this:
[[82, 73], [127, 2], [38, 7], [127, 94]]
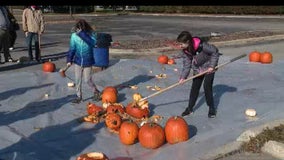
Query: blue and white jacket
[[80, 51]]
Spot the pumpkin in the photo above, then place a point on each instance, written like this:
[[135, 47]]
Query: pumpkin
[[163, 59], [109, 97], [113, 121], [110, 88], [115, 108], [143, 104], [151, 135], [48, 67], [171, 61], [135, 111], [176, 130], [128, 132], [266, 58], [136, 97], [93, 109], [93, 156], [250, 112], [254, 56]]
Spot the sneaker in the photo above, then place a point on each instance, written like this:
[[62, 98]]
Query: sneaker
[[97, 96], [11, 48], [11, 60], [77, 100], [212, 113], [187, 112]]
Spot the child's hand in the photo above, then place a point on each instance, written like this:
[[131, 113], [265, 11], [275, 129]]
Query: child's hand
[[69, 64], [210, 70], [181, 80]]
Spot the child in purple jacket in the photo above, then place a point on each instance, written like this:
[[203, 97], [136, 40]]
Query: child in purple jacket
[[200, 57]]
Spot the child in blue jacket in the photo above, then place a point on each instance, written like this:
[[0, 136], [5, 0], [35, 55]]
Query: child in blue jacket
[[81, 54]]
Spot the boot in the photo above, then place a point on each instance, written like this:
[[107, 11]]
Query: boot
[[186, 112], [212, 112], [97, 96], [77, 100]]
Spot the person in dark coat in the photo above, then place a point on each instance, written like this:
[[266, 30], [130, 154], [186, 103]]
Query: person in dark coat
[[5, 25]]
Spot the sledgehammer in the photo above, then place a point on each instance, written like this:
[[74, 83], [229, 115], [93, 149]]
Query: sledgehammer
[[190, 78], [63, 70]]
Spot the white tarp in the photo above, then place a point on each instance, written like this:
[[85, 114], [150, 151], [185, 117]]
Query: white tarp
[[36, 127]]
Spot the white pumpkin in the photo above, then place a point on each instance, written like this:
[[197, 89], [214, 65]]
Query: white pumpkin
[[250, 112], [70, 84]]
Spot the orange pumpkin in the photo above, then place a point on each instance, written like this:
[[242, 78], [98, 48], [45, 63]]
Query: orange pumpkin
[[266, 57], [110, 88], [115, 108], [176, 130], [163, 59], [254, 56], [128, 132], [151, 135], [113, 121], [93, 109], [171, 61], [136, 111], [48, 67], [109, 97], [93, 156]]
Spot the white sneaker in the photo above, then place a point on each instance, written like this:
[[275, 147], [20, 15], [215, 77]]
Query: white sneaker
[[11, 48]]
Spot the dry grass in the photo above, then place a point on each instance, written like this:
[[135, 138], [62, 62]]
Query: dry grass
[[255, 143]]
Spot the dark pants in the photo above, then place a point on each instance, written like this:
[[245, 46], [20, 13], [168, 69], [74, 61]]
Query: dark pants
[[207, 84], [33, 37], [13, 37], [4, 44]]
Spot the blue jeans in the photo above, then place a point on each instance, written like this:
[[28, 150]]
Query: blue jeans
[[29, 39]]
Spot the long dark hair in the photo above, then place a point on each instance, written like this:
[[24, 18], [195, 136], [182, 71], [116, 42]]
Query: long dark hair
[[186, 37], [83, 25]]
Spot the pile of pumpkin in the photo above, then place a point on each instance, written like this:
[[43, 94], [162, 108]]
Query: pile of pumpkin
[[164, 59], [133, 123], [264, 58]]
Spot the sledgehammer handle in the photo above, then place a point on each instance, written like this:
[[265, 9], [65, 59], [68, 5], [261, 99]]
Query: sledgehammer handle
[[190, 78]]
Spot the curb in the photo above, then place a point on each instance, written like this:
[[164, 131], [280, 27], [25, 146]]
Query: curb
[[158, 51], [244, 137]]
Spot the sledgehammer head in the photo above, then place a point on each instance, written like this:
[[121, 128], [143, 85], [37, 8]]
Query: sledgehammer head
[[62, 73]]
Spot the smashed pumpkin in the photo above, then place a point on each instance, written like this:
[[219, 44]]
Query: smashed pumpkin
[[93, 109], [113, 121], [136, 111], [93, 156]]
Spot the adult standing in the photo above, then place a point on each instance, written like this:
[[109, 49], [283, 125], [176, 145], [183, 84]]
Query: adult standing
[[33, 26], [5, 25], [13, 30]]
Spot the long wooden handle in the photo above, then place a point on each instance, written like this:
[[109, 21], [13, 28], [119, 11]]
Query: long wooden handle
[[190, 78]]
